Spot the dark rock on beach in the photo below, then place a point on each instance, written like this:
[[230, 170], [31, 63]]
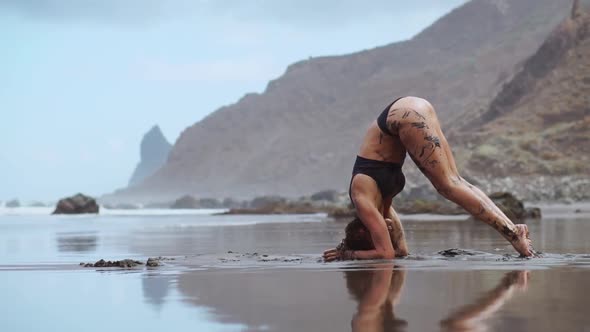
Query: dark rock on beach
[[513, 207], [190, 202], [455, 252], [325, 195], [342, 213], [262, 202], [125, 263], [533, 213], [153, 262], [128, 263], [279, 207], [77, 204], [416, 206], [333, 203], [510, 205], [13, 203], [185, 202], [412, 204]]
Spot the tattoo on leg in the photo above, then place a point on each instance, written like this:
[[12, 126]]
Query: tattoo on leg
[[419, 115], [424, 147], [434, 140], [394, 126], [420, 125], [432, 163]]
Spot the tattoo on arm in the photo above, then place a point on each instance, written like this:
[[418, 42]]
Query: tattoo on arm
[[481, 211]]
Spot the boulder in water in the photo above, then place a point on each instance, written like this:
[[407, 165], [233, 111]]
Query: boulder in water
[[13, 203], [513, 207], [77, 204]]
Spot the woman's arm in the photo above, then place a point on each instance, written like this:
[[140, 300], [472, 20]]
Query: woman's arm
[[343, 253], [380, 235], [396, 233]]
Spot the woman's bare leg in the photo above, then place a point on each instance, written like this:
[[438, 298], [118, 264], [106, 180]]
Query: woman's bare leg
[[471, 316], [420, 133]]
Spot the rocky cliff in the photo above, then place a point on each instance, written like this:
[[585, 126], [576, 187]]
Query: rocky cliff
[[539, 123], [301, 135], [154, 152]]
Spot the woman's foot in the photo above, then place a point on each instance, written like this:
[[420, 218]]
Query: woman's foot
[[521, 242]]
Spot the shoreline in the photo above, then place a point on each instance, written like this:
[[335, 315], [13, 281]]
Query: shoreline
[[553, 209]]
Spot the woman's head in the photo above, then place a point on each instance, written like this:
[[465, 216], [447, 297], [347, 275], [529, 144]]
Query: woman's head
[[358, 236]]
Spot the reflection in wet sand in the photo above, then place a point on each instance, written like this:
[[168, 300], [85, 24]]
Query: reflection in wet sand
[[471, 317], [377, 292], [77, 242], [156, 287]]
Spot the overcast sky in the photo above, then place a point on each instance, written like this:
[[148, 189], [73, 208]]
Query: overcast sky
[[81, 81]]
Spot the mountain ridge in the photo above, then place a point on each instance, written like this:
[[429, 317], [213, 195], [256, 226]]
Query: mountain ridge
[[301, 134]]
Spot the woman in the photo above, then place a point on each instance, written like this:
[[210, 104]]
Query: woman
[[410, 124], [377, 291]]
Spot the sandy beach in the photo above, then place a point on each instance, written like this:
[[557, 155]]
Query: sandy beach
[[264, 273]]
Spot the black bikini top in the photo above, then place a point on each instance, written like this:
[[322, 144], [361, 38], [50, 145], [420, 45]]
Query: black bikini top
[[382, 119]]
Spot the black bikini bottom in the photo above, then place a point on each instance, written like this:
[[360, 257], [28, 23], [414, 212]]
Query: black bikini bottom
[[389, 176]]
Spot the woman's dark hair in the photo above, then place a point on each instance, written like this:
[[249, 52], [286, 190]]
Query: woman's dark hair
[[358, 236]]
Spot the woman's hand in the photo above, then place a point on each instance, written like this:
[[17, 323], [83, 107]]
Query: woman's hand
[[339, 253], [331, 255]]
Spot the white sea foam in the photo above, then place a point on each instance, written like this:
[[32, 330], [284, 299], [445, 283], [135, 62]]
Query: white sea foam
[[24, 211]]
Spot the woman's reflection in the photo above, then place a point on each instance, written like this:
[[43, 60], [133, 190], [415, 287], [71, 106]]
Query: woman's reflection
[[471, 316], [377, 292]]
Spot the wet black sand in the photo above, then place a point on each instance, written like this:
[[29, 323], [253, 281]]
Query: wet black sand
[[270, 276]]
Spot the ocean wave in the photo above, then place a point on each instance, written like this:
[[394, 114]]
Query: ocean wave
[[25, 211]]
